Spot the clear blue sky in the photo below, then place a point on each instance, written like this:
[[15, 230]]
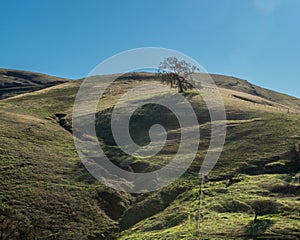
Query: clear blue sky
[[258, 40]]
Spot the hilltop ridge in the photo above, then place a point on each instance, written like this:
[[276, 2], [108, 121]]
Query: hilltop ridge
[[14, 82]]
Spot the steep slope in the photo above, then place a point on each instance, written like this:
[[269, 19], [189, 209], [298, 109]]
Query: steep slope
[[241, 85], [41, 191], [46, 192], [13, 82]]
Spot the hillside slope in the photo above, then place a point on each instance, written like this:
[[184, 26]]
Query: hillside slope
[[13, 82], [46, 192], [241, 85]]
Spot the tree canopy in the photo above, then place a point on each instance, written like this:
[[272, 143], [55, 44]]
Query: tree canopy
[[177, 73], [263, 207]]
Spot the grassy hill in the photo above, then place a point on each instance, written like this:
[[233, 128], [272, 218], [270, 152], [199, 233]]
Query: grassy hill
[[47, 193], [281, 100], [13, 82]]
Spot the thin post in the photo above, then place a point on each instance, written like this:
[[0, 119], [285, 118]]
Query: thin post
[[199, 206]]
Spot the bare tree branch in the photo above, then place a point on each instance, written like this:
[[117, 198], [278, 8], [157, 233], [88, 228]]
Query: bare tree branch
[[176, 73]]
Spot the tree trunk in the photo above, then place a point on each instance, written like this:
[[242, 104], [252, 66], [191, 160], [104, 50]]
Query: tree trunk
[[255, 217], [180, 87]]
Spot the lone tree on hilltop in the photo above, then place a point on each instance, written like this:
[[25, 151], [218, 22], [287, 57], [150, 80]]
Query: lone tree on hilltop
[[177, 73], [263, 207]]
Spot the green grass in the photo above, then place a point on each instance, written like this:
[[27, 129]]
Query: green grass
[[43, 181]]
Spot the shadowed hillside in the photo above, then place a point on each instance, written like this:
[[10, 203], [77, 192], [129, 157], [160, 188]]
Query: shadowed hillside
[[13, 82]]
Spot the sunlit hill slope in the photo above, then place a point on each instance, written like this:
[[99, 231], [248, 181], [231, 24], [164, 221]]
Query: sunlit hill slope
[[46, 193]]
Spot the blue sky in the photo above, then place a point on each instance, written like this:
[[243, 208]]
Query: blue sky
[[257, 40]]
